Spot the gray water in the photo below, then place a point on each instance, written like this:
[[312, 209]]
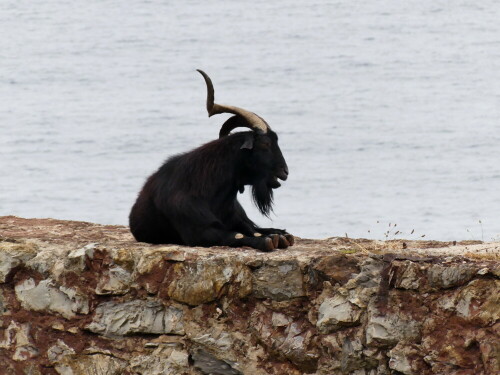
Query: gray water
[[387, 112]]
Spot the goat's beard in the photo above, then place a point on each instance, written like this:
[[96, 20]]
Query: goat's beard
[[262, 196]]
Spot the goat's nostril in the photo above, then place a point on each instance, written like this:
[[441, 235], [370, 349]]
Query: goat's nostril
[[282, 173]]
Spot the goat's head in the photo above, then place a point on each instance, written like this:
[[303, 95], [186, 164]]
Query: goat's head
[[261, 154]]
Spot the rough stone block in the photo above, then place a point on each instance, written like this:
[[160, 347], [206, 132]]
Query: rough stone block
[[389, 329], [139, 316], [79, 298], [46, 296], [281, 280], [116, 282], [162, 361], [14, 254], [200, 282], [449, 276], [335, 313]]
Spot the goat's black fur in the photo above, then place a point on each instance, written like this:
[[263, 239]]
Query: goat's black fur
[[192, 199]]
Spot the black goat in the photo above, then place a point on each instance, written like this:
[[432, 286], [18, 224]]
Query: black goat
[[192, 199]]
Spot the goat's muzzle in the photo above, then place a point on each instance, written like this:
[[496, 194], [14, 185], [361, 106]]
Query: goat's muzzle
[[282, 173]]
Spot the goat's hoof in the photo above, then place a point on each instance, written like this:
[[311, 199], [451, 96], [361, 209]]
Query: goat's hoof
[[283, 242], [290, 238], [268, 244], [276, 239]]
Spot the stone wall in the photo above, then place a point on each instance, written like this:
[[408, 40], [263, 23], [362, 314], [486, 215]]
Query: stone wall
[[80, 298]]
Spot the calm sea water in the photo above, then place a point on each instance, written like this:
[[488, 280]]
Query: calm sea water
[[388, 112]]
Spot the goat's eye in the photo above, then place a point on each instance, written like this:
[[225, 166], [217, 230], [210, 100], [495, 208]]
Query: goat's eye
[[264, 145]]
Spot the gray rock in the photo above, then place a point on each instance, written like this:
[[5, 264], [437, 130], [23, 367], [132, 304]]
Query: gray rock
[[163, 361], [46, 296], [389, 329], [409, 277], [292, 341], [352, 354], [443, 277], [295, 346], [3, 304], [280, 320], [220, 341], [94, 364], [58, 352], [13, 254], [335, 313], [479, 301], [76, 259], [139, 316], [210, 365], [31, 369], [278, 280], [360, 289], [116, 282], [17, 338], [7, 263], [399, 361]]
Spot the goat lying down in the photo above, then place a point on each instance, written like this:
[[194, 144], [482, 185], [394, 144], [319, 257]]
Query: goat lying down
[[192, 199]]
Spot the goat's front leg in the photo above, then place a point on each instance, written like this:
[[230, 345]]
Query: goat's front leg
[[240, 222], [216, 236], [208, 231]]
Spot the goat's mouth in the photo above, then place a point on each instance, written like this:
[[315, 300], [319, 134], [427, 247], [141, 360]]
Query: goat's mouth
[[273, 182]]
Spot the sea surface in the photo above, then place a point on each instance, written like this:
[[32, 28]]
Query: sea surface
[[388, 112]]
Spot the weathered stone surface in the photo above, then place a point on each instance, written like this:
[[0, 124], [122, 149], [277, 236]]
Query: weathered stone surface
[[389, 329], [162, 361], [47, 296], [337, 267], [140, 316], [3, 304], [335, 313], [409, 276], [59, 351], [441, 276], [200, 282], [362, 287], [17, 337], [479, 300], [278, 280], [81, 298], [91, 364], [208, 364], [406, 359], [116, 282], [292, 341], [489, 347], [77, 259], [13, 254], [214, 339], [280, 320]]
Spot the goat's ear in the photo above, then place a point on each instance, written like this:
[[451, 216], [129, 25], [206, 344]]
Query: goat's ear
[[248, 144]]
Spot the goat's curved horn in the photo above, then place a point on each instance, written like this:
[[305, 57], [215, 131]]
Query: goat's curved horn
[[253, 121]]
